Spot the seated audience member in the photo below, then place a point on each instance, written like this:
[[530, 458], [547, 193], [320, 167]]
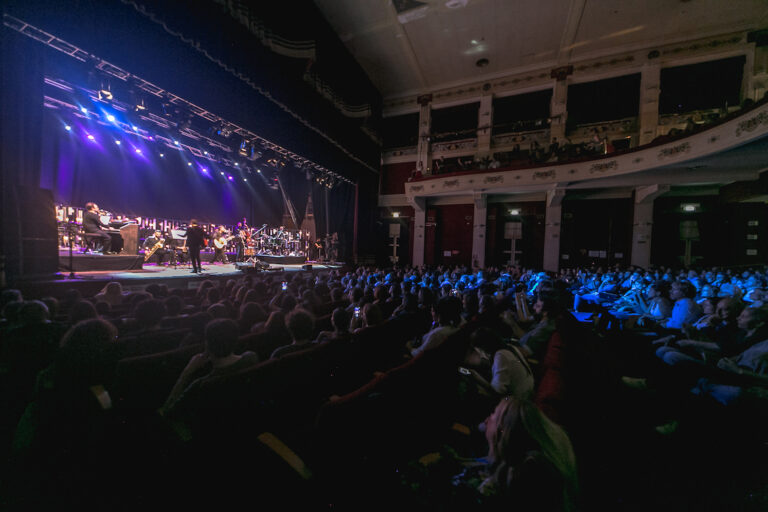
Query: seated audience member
[[370, 315], [446, 316], [685, 310], [250, 314], [340, 319], [530, 465], [752, 329], [174, 305], [218, 310], [657, 307], [81, 310], [300, 325], [534, 342], [272, 335], [195, 324], [149, 314], [221, 338], [112, 294], [499, 367], [58, 425]]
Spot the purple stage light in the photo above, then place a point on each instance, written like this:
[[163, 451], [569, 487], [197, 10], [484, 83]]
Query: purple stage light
[[176, 142], [222, 173], [138, 151], [118, 142], [230, 178], [83, 110], [68, 128], [91, 137], [110, 118]]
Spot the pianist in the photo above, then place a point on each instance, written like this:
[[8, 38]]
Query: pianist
[[92, 226]]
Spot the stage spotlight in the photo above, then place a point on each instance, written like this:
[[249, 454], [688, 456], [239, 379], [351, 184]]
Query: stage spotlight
[[230, 178], [189, 164], [91, 137], [176, 143], [138, 151], [105, 94], [67, 127], [140, 106], [222, 173], [134, 128], [204, 170], [205, 152], [258, 170], [118, 142], [237, 164], [162, 155], [83, 110], [245, 179]]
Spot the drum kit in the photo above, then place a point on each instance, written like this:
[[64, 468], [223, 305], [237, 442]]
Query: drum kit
[[279, 242]]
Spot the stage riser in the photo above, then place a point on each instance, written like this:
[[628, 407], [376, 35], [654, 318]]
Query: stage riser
[[94, 262]]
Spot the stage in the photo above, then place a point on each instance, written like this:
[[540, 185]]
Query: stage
[[92, 281]]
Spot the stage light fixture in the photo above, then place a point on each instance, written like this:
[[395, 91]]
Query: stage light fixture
[[67, 127], [245, 179], [105, 94], [134, 128], [205, 152], [258, 170], [91, 137], [83, 110], [162, 155], [140, 106], [138, 151], [230, 178], [110, 118], [176, 143], [222, 173], [189, 164], [118, 142], [243, 150], [237, 164]]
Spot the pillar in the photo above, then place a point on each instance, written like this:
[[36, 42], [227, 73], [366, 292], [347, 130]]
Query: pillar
[[552, 218], [642, 224], [478, 230], [558, 110], [419, 229], [650, 87], [425, 127], [484, 124]]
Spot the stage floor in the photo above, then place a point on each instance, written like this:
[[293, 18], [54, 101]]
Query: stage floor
[[91, 282]]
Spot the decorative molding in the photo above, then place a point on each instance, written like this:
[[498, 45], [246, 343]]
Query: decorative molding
[[603, 166], [685, 147], [544, 175], [752, 123], [493, 179]]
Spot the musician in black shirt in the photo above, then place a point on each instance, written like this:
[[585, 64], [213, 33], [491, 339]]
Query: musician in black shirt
[[92, 225], [195, 241]]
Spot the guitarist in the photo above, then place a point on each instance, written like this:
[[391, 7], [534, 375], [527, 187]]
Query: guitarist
[[155, 245], [220, 240], [195, 241]]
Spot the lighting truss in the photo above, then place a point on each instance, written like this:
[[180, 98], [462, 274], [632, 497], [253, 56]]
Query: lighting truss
[[112, 70]]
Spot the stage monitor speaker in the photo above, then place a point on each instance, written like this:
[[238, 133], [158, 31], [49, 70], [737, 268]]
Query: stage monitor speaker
[[248, 268], [306, 267]]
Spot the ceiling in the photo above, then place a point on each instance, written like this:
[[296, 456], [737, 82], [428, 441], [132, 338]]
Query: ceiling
[[410, 46]]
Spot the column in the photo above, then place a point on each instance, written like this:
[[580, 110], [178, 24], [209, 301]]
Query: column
[[642, 224], [558, 110], [552, 218], [425, 127], [419, 229], [650, 87], [484, 124], [478, 230]]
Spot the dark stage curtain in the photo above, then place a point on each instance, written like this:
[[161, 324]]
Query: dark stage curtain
[[339, 214]]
